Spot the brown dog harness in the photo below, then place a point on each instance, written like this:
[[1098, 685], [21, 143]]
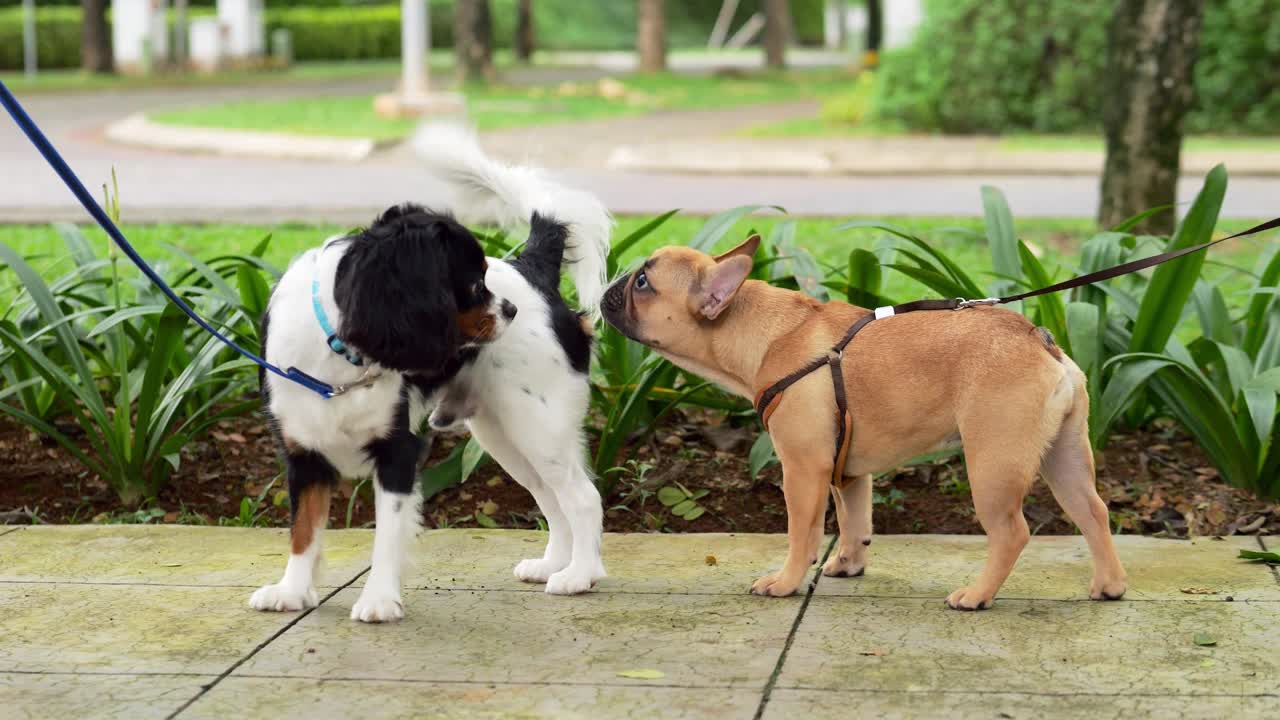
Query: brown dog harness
[[767, 399]]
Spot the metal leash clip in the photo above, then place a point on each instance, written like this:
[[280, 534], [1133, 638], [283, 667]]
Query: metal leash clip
[[365, 380], [961, 303]]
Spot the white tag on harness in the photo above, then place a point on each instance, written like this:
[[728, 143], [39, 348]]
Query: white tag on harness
[[884, 312]]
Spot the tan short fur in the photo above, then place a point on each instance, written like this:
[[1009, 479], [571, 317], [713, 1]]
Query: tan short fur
[[913, 381]]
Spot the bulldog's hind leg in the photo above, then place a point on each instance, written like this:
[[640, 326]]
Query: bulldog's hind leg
[[819, 532], [853, 512], [1068, 468]]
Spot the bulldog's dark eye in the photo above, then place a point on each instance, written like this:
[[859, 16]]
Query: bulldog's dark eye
[[642, 281], [477, 291]]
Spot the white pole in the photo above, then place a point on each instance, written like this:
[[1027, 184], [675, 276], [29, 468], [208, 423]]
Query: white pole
[[29, 47], [415, 23]]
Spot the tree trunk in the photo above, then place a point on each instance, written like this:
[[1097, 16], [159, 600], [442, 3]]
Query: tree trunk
[[875, 29], [651, 35], [95, 37], [473, 40], [1147, 90], [777, 27], [524, 31]]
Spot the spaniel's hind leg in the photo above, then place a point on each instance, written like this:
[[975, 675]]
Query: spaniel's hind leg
[[580, 501], [493, 438]]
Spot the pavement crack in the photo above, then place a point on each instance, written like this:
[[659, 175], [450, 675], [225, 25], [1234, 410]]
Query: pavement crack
[[791, 636], [1275, 569], [287, 626]]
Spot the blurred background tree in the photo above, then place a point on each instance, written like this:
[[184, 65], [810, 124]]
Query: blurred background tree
[[777, 30], [875, 31], [1147, 91], [524, 42], [331, 30], [95, 37], [651, 35], [1001, 66], [473, 41]]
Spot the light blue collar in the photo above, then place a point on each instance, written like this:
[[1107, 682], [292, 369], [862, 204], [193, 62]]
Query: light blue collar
[[331, 336]]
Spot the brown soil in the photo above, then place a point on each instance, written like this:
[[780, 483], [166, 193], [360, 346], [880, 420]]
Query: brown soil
[[1155, 481]]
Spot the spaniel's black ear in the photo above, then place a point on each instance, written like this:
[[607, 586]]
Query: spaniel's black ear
[[395, 294]]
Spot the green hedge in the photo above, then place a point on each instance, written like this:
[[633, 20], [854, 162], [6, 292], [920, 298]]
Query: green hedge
[[991, 66], [57, 37], [344, 31]]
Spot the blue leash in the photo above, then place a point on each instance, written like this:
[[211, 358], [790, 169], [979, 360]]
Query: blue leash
[[77, 188]]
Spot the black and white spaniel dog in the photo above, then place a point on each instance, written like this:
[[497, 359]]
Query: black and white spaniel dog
[[412, 318]]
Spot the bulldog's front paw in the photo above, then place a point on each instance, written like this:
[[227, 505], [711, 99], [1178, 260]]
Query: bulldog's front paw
[[377, 607], [970, 599], [1108, 589], [775, 586], [842, 565]]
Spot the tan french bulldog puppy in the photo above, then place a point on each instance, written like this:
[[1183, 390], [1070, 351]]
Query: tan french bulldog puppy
[[914, 382]]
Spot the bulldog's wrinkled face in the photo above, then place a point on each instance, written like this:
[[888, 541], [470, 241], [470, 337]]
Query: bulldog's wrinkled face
[[668, 301]]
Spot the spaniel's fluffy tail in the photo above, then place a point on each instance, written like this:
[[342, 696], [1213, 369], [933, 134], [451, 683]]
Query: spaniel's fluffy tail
[[512, 196]]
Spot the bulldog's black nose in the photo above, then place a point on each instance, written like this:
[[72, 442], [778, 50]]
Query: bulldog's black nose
[[613, 297], [508, 310]]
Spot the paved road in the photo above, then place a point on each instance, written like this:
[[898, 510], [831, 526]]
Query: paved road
[[165, 186]]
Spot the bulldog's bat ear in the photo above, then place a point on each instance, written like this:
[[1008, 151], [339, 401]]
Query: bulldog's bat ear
[[719, 284], [746, 249]]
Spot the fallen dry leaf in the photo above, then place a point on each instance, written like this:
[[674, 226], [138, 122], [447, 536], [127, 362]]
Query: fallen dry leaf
[[1204, 640], [711, 560], [1199, 591]]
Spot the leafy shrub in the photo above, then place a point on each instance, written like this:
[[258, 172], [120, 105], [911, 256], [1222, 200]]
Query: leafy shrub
[[57, 37], [1221, 387], [978, 66], [349, 33], [852, 106], [133, 376]]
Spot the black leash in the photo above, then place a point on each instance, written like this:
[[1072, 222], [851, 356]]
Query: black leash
[[766, 398], [1122, 269]]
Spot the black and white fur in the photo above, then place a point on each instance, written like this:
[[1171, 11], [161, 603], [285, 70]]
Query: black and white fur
[[522, 391], [525, 397]]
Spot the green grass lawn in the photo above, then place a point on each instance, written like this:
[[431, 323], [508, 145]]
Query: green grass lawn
[[502, 106], [817, 127], [1058, 240]]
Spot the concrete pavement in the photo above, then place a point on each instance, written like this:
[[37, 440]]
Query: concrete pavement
[[151, 621]]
